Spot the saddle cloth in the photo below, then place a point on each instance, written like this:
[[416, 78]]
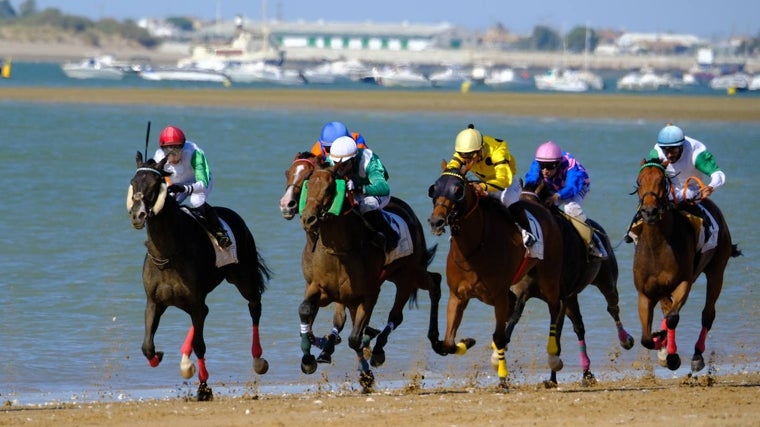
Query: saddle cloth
[[706, 228], [223, 256], [405, 245], [537, 250]]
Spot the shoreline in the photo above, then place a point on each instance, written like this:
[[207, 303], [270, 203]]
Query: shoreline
[[633, 107]]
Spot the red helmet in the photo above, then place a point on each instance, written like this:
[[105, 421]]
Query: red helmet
[[171, 135]]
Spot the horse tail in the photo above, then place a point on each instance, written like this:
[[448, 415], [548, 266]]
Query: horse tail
[[430, 254], [735, 251], [264, 273]]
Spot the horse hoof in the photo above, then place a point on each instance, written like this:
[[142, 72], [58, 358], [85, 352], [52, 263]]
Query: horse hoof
[[204, 393], [371, 332], [324, 358], [503, 386], [367, 381], [308, 364], [555, 363], [438, 348], [260, 366], [468, 342], [674, 361], [588, 379], [628, 343], [697, 363], [377, 359], [549, 384]]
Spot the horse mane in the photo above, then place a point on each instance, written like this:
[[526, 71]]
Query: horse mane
[[491, 203]]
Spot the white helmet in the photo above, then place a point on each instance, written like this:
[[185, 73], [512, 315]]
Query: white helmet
[[343, 149]]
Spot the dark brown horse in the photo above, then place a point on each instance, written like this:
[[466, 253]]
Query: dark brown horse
[[578, 271], [340, 265], [487, 256], [666, 263], [180, 270]]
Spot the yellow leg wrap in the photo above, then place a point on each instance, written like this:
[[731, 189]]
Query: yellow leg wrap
[[461, 349], [551, 346], [502, 370]]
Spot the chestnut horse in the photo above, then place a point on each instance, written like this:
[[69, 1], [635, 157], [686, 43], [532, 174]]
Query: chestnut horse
[[578, 271], [487, 256], [340, 265], [180, 270], [666, 263]]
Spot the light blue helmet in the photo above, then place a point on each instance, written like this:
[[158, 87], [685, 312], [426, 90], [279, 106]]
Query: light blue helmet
[[332, 131], [670, 136]]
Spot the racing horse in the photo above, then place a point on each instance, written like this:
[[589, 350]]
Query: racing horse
[[578, 271], [340, 265], [180, 269], [487, 256], [667, 261]]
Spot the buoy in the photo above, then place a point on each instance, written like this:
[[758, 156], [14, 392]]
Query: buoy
[[731, 90], [466, 86]]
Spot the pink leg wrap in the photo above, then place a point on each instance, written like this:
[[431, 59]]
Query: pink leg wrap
[[256, 344], [700, 346], [202, 372], [187, 346], [622, 333], [154, 361], [672, 348], [585, 361]]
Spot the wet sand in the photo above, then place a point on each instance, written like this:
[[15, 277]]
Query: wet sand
[[632, 107]]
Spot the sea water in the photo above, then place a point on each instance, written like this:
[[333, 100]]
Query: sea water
[[70, 284]]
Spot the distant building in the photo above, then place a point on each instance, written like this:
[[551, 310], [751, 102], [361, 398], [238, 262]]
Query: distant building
[[658, 43]]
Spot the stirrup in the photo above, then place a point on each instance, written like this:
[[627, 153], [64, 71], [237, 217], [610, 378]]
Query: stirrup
[[223, 239], [528, 238]]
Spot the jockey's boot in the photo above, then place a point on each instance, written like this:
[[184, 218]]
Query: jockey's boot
[[386, 237], [630, 235], [594, 248], [215, 226]]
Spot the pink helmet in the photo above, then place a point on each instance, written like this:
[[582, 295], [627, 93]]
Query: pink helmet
[[548, 152]]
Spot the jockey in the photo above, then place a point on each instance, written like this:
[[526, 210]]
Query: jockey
[[494, 166], [368, 179], [330, 132], [687, 158], [191, 178], [570, 183]]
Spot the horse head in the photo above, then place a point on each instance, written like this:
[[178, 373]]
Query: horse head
[[147, 190], [451, 195], [653, 186], [325, 196], [299, 171]]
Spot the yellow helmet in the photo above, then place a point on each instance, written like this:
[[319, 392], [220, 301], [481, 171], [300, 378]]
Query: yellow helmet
[[468, 140]]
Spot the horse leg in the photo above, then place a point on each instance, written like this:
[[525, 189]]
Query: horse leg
[[395, 317], [553, 346], [358, 341], [328, 342], [199, 347], [714, 286], [513, 320], [307, 312], [435, 298], [610, 293], [153, 314], [573, 311], [186, 365], [502, 307], [260, 365], [454, 311]]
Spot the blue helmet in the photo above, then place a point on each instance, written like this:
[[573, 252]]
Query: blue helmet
[[331, 132], [670, 136]]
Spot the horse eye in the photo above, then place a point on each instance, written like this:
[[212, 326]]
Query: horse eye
[[459, 193]]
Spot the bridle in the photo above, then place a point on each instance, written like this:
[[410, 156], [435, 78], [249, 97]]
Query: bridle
[[453, 215]]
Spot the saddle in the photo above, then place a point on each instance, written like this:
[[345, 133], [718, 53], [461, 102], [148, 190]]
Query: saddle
[[223, 256]]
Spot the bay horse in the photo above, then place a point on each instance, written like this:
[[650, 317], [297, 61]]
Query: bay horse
[[487, 256], [666, 263], [578, 271], [340, 265], [179, 268]]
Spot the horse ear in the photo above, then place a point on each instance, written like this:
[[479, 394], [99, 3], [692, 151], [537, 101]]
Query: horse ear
[[466, 167], [443, 165], [139, 159], [162, 163]]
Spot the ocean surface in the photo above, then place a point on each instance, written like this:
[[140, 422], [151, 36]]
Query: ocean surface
[[71, 290]]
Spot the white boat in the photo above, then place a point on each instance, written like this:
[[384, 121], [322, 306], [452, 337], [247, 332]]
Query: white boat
[[334, 71], [738, 81], [262, 72], [561, 80], [247, 46], [754, 84], [645, 79], [449, 77], [503, 77], [96, 67], [184, 74], [400, 76]]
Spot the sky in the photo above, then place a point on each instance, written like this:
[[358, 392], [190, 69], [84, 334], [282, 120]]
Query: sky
[[711, 20]]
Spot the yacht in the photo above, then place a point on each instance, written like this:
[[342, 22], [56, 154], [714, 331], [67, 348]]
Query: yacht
[[95, 67]]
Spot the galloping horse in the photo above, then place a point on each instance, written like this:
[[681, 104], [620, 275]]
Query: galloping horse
[[341, 265], [487, 256], [180, 270], [667, 261], [578, 271]]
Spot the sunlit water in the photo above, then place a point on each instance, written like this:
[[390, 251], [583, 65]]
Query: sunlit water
[[71, 290]]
